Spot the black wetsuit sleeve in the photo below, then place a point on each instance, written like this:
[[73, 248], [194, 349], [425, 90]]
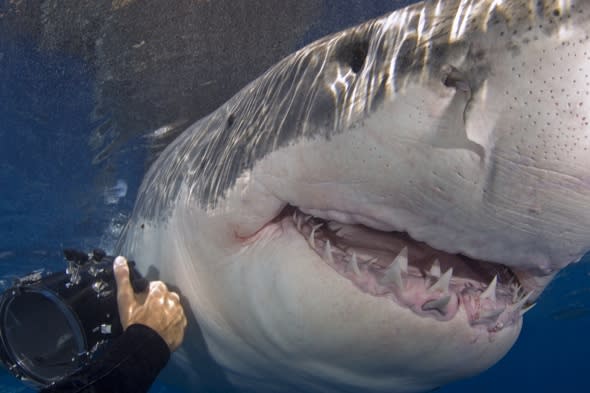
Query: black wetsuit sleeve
[[130, 365]]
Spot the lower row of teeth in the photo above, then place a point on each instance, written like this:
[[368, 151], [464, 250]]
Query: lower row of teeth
[[395, 276]]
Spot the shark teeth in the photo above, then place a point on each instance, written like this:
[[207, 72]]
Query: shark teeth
[[328, 252], [518, 305], [394, 271], [426, 291], [312, 235], [516, 291], [489, 316], [435, 269], [527, 309], [437, 304], [372, 261], [442, 284], [490, 292], [353, 264]]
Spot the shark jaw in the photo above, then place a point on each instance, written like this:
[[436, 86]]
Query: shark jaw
[[386, 263], [430, 282]]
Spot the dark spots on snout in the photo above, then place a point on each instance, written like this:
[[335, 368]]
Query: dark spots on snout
[[513, 48], [231, 120], [354, 53]]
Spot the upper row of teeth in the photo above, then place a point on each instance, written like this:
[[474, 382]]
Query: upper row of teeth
[[399, 266]]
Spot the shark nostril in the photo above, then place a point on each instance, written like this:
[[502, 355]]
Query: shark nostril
[[354, 54], [454, 78]]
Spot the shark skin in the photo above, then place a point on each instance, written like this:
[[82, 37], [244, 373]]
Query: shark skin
[[378, 210]]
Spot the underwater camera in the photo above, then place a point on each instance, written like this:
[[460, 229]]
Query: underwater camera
[[53, 324]]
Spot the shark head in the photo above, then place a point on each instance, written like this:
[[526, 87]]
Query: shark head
[[380, 209]]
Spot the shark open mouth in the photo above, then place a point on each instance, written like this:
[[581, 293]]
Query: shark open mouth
[[430, 282]]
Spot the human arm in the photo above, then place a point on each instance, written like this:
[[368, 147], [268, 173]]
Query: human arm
[[153, 323]]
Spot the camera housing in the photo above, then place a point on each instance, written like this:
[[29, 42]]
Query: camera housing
[[53, 324]]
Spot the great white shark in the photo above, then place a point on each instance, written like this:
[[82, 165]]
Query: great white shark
[[378, 210]]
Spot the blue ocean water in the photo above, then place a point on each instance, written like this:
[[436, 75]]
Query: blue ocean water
[[53, 196]]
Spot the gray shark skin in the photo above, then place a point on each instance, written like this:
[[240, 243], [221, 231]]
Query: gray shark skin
[[378, 210]]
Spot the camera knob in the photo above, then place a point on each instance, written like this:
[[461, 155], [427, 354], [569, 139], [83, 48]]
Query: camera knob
[[101, 288]]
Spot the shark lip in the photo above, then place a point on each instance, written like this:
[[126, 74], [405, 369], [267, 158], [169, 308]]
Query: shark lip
[[430, 282]]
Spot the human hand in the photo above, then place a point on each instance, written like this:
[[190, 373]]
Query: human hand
[[156, 308]]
